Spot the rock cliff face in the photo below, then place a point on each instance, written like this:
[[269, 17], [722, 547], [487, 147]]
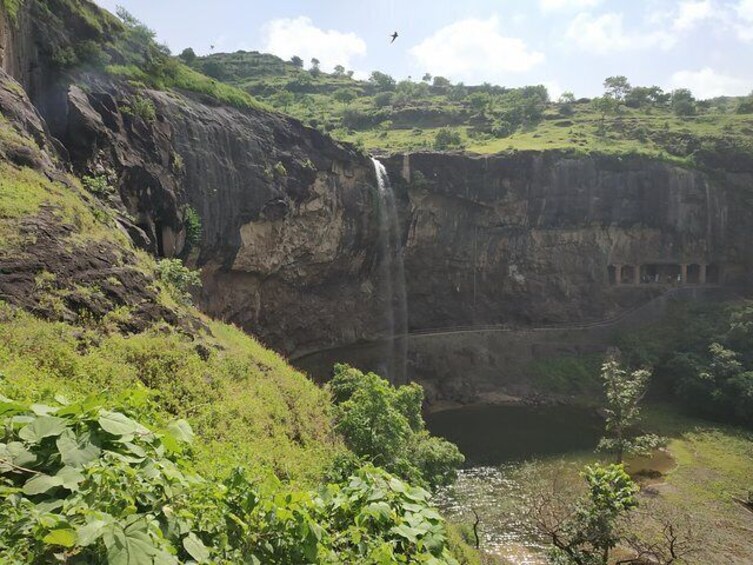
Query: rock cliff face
[[290, 233], [529, 238]]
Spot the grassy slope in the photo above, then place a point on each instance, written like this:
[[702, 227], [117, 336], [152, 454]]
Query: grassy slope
[[247, 405], [652, 131], [714, 465]]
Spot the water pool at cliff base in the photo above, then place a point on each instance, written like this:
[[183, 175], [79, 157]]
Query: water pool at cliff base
[[498, 442]]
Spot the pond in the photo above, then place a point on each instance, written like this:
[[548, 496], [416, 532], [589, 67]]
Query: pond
[[497, 441]]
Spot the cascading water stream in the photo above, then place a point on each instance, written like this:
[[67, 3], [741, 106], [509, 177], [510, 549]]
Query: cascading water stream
[[392, 278]]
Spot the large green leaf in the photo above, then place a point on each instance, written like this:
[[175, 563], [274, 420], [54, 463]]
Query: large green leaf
[[90, 532], [181, 431], [77, 451], [8, 407], [39, 484], [42, 427], [70, 477], [16, 454], [65, 537], [119, 424], [133, 545], [196, 548]]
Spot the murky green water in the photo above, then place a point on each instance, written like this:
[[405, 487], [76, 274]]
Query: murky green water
[[497, 442]]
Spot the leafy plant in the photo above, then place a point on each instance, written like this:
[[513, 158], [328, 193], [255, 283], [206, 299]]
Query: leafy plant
[[142, 107], [87, 484], [383, 424], [98, 185], [192, 222], [178, 278], [624, 391], [584, 529]]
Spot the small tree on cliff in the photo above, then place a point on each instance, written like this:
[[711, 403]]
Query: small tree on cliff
[[584, 528], [624, 392]]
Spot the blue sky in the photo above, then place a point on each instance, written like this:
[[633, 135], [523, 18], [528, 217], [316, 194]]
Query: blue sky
[[705, 45]]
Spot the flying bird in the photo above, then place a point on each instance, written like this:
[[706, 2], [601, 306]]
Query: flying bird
[[394, 37]]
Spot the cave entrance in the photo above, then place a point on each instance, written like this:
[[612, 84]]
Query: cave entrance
[[713, 274], [693, 274], [612, 273], [661, 273], [627, 274]]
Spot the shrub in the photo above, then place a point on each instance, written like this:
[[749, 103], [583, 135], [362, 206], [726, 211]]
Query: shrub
[[383, 424], [192, 223], [178, 278], [95, 485], [98, 185], [142, 107], [447, 138]]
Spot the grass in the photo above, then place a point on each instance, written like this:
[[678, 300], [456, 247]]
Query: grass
[[188, 79], [24, 192], [714, 465], [246, 404]]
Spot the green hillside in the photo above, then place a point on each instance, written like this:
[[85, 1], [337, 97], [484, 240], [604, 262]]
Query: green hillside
[[433, 113]]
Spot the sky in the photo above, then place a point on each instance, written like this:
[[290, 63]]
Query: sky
[[567, 45]]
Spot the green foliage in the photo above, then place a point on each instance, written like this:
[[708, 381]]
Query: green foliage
[[624, 391], [87, 484], [703, 357], [683, 102], [188, 56], [246, 405], [280, 170], [142, 107], [383, 424], [447, 138], [192, 222], [587, 536], [98, 185], [12, 7], [178, 278], [382, 81]]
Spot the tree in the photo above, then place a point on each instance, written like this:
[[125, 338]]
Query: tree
[[426, 77], [583, 530], [604, 105], [566, 97], [617, 86], [745, 105], [339, 70], [344, 95], [315, 70], [441, 82], [683, 102], [188, 56], [297, 61], [383, 99], [447, 138], [624, 392], [382, 81], [479, 101], [383, 424]]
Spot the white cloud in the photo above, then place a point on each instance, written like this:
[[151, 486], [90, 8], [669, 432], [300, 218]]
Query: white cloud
[[745, 12], [286, 37], [606, 34], [692, 12], [473, 50], [562, 5], [707, 83]]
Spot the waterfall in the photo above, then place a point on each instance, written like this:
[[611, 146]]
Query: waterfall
[[392, 279]]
